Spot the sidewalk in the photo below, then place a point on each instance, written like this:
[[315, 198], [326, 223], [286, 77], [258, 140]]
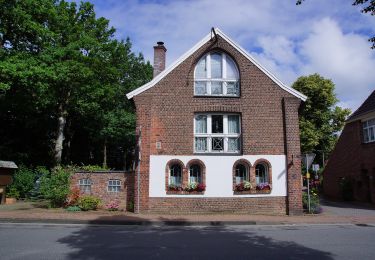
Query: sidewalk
[[24, 212]]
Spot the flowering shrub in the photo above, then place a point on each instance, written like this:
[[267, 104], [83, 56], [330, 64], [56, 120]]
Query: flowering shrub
[[195, 187], [173, 187], [113, 206], [73, 197], [246, 185], [263, 186]]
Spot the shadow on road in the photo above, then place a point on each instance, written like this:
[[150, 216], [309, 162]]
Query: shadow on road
[[222, 242]]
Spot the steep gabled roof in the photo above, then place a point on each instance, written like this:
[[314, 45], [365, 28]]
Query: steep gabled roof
[[195, 48], [366, 107]]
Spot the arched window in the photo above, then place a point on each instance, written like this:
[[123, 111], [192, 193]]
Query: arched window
[[261, 174], [195, 174], [175, 175], [241, 173], [216, 74]]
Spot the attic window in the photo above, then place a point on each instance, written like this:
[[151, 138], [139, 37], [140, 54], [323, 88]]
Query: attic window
[[216, 74]]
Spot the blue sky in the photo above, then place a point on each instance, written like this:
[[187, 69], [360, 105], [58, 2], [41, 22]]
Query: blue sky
[[319, 36]]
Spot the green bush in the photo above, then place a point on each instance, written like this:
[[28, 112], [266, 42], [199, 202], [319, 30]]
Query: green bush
[[314, 202], [88, 203], [12, 192], [73, 208], [23, 182], [55, 186]]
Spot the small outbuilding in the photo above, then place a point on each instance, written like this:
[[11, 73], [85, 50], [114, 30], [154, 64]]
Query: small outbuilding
[[7, 169]]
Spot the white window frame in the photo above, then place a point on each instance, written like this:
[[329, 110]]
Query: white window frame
[[366, 128], [85, 185], [199, 176], [209, 135], [114, 185], [170, 175], [224, 80]]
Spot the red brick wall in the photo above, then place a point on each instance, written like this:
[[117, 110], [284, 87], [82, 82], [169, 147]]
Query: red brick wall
[[352, 159], [99, 186], [166, 112], [264, 205]]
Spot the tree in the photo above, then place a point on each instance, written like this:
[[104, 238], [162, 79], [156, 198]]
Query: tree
[[368, 8], [60, 70], [320, 120]]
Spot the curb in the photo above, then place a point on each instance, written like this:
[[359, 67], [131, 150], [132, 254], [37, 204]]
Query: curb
[[135, 222]]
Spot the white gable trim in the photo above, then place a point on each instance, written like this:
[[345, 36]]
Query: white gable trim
[[195, 48]]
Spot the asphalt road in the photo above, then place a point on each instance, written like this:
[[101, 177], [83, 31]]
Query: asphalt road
[[39, 241]]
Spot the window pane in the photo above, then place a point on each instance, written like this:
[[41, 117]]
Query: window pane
[[232, 88], [217, 144], [233, 144], [233, 124], [200, 144], [175, 175], [365, 135], [200, 88], [201, 124], [371, 134], [231, 69], [195, 174], [261, 174], [216, 68], [200, 69], [216, 88], [217, 124], [241, 173]]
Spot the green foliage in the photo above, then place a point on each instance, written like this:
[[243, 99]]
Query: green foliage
[[23, 182], [12, 192], [58, 60], [93, 168], [56, 186], [320, 120], [314, 202], [73, 209], [88, 203], [131, 206]]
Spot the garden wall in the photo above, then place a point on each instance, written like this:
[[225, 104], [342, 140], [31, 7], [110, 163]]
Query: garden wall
[[99, 186]]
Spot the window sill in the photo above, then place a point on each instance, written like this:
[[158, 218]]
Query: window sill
[[216, 153], [183, 192], [244, 192], [217, 96]]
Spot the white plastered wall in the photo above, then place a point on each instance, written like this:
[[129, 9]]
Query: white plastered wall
[[219, 179]]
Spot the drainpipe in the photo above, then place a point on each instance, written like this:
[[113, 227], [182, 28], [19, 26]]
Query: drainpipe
[[139, 167]]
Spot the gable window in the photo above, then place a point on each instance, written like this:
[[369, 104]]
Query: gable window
[[114, 185], [84, 185], [216, 74], [217, 133], [369, 131]]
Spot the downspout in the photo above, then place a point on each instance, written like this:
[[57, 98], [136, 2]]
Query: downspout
[[139, 167]]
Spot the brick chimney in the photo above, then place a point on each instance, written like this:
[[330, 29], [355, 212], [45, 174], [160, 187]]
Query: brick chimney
[[159, 58]]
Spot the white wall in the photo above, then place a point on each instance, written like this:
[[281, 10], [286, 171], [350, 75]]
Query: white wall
[[219, 179]]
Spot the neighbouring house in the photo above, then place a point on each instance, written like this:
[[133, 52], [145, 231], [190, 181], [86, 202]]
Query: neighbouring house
[[7, 169], [352, 162], [217, 132]]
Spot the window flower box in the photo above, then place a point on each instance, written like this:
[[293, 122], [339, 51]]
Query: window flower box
[[263, 188]]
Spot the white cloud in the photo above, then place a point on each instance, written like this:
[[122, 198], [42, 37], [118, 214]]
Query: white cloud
[[327, 37]]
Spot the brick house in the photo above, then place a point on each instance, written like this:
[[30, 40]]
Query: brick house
[[217, 133], [354, 156]]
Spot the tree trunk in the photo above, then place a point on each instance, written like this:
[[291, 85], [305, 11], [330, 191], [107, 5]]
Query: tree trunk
[[60, 135], [105, 153]]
